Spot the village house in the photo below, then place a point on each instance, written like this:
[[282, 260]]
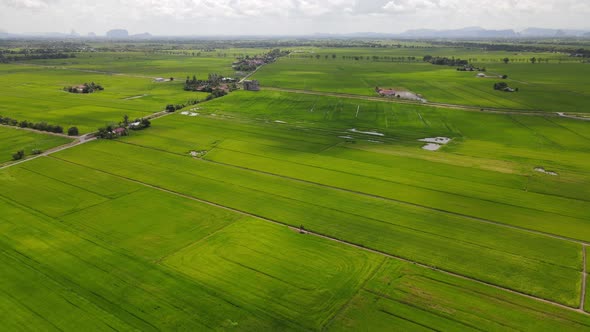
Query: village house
[[119, 131]]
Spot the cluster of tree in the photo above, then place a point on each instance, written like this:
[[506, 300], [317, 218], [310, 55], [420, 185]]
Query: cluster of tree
[[471, 68], [42, 126], [28, 47], [503, 86], [137, 124], [374, 58], [12, 58], [444, 61], [245, 66], [535, 46], [247, 63], [214, 83], [140, 124], [521, 46], [532, 60], [276, 53], [73, 131], [84, 88], [216, 93], [112, 130], [20, 154]]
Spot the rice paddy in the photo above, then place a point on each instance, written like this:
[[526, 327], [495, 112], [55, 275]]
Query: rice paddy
[[279, 211]]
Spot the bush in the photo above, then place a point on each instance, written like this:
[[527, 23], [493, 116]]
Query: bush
[[18, 155], [500, 86], [143, 123], [73, 131], [36, 151]]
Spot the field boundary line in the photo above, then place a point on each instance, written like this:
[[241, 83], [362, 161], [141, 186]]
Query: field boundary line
[[329, 320], [421, 187], [161, 259], [80, 141], [392, 299], [584, 276], [361, 194], [326, 237], [478, 109], [481, 220], [40, 131], [558, 237]]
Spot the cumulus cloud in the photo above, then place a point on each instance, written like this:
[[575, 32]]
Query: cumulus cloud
[[289, 16], [242, 8]]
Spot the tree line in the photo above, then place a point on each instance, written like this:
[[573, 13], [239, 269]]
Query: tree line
[[41, 126], [375, 58], [12, 58], [532, 60], [536, 47]]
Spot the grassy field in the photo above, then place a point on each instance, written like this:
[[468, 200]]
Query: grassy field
[[36, 94], [417, 53], [402, 297], [548, 87], [90, 230], [13, 140], [146, 64], [385, 223], [284, 211], [203, 269]]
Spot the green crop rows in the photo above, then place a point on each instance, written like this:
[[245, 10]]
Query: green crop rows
[[276, 210]]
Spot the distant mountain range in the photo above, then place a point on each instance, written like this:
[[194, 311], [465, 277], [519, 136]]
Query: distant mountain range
[[474, 32], [464, 33]]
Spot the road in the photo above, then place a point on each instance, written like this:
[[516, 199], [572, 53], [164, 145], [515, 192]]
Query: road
[[250, 74], [79, 141]]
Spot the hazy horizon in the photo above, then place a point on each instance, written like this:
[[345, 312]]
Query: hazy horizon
[[290, 17]]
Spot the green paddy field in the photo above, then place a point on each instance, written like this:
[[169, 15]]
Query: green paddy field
[[288, 211]]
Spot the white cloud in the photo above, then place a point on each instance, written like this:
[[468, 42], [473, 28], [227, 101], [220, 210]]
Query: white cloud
[[408, 6], [287, 16]]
